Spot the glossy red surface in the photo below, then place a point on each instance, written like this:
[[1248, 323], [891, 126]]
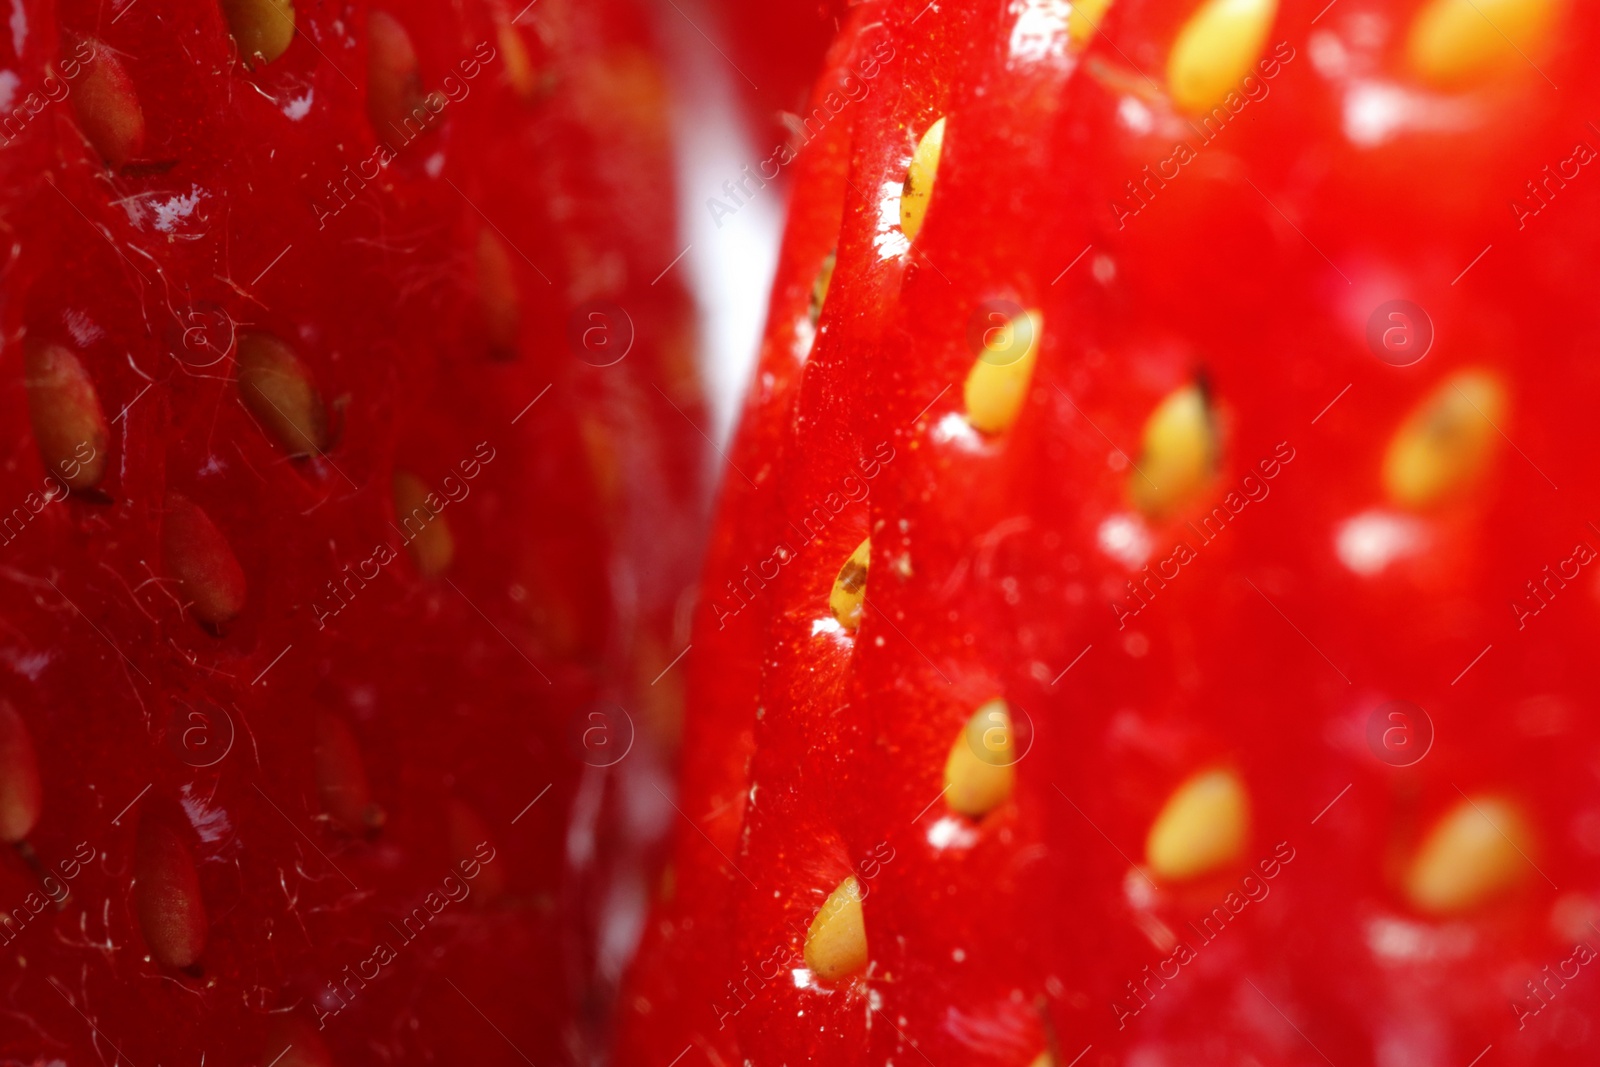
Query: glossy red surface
[[1001, 565]]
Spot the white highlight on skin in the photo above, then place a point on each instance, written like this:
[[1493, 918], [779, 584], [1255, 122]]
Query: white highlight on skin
[[954, 427], [19, 26], [1125, 539], [1367, 543], [1135, 115], [890, 240], [299, 107], [829, 625], [950, 832], [1040, 32]]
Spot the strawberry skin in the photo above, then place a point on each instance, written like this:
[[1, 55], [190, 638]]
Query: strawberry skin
[[319, 541], [1191, 528]]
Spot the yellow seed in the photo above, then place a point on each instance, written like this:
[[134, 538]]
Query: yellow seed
[[1445, 444], [1215, 50], [978, 775], [850, 587], [998, 382], [68, 425], [1203, 827], [1473, 852], [836, 944], [419, 515], [1043, 1059], [278, 390], [107, 106], [1083, 23], [21, 795], [919, 180], [497, 292], [1179, 453], [166, 892], [263, 28], [394, 86], [1453, 43], [341, 776], [819, 288], [199, 557]]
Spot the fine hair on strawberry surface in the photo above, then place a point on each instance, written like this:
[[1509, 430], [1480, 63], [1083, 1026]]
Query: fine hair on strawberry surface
[[316, 544]]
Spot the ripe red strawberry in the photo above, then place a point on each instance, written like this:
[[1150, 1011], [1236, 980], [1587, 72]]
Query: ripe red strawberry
[[349, 464], [1083, 544]]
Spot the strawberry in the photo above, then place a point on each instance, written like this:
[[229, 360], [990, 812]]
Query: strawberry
[[351, 465], [1146, 613]]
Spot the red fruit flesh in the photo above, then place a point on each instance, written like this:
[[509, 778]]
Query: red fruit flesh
[[318, 537], [1252, 613]]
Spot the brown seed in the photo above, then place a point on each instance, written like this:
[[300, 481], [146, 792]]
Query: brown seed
[[68, 424], [920, 175], [394, 87], [278, 390], [263, 28], [342, 777], [200, 558], [166, 894], [850, 586], [21, 795], [107, 106], [418, 514], [497, 289]]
